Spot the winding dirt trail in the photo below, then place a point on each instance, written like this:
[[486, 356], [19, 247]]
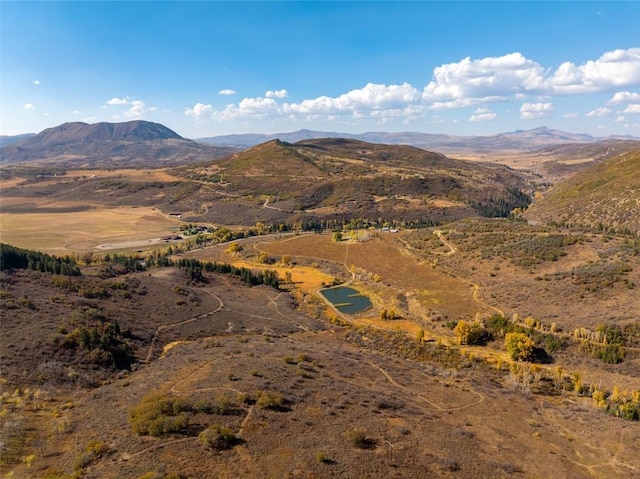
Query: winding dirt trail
[[452, 249], [476, 287], [180, 323]]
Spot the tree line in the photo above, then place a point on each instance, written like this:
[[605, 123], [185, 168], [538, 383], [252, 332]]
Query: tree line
[[194, 269], [12, 258]]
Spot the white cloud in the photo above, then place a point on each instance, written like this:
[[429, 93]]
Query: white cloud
[[599, 112], [138, 109], [248, 107], [483, 114], [36, 82], [614, 69], [630, 109], [76, 112], [118, 101], [199, 110], [373, 101], [29, 106], [534, 111], [487, 77], [227, 92], [625, 97], [570, 115], [90, 119], [620, 119], [464, 102], [276, 94], [513, 74], [371, 97]]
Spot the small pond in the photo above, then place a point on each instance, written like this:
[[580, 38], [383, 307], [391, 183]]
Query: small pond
[[346, 300]]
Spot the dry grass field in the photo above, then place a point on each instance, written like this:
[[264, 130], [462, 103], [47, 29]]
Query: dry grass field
[[85, 231]]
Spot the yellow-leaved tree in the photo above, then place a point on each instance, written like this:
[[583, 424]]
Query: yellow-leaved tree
[[519, 346]]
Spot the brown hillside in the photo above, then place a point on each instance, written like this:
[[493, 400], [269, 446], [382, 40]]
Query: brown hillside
[[334, 177], [606, 196]]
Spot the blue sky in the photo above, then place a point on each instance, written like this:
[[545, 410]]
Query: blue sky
[[213, 68]]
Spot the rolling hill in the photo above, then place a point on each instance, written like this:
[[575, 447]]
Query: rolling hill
[[107, 145], [338, 177], [605, 196]]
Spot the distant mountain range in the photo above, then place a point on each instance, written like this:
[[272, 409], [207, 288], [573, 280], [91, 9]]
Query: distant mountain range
[[519, 140], [144, 143], [107, 145], [6, 140]]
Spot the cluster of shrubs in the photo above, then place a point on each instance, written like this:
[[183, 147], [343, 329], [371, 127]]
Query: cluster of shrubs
[[104, 341], [625, 405], [162, 414], [606, 342], [595, 276], [536, 249], [523, 342]]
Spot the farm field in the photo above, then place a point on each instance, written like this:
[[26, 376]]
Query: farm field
[[85, 231]]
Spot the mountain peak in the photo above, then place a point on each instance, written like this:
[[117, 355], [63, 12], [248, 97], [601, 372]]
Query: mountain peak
[[137, 130], [136, 140]]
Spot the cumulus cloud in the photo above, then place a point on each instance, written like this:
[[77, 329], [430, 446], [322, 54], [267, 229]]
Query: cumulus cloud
[[620, 119], [624, 97], [227, 92], [599, 112], [629, 109], [513, 75], [276, 94], [36, 82], [614, 69], [248, 107], [486, 77], [199, 110], [76, 112], [534, 111], [118, 101], [371, 97], [29, 106], [483, 114], [138, 109]]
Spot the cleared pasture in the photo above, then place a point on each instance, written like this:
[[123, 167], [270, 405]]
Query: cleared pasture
[[63, 233], [386, 256]]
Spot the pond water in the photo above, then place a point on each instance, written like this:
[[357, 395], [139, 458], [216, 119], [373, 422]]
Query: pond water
[[346, 300]]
